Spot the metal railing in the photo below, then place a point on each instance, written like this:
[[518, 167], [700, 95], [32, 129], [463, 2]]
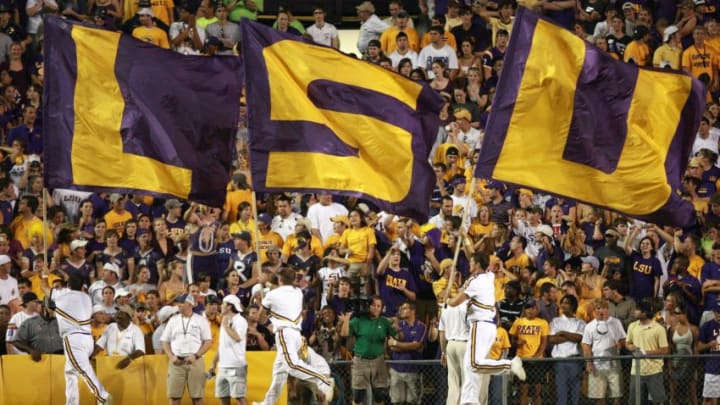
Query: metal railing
[[682, 380]]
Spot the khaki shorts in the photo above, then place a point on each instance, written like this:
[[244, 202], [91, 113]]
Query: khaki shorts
[[192, 375], [231, 382], [369, 373], [404, 387], [604, 382]]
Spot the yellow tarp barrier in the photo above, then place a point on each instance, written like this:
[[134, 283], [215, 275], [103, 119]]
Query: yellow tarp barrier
[[142, 383]]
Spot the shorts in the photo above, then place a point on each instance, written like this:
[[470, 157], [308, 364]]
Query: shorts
[[369, 373], [192, 375], [536, 372], [654, 384], [404, 387], [711, 387], [355, 271], [604, 384], [231, 382]]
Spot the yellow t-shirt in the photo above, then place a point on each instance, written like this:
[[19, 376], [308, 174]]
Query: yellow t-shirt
[[233, 200], [239, 226], [154, 35], [477, 230], [497, 25], [117, 221], [696, 265], [332, 241], [291, 243], [531, 331], [162, 10], [359, 242], [267, 240], [697, 61], [389, 44], [522, 261], [638, 52], [666, 53], [648, 337], [501, 342]]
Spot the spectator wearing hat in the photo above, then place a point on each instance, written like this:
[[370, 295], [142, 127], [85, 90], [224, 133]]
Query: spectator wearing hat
[[436, 51], [529, 335], [371, 26], [99, 321], [122, 338], [321, 31], [611, 254], [9, 294], [460, 199], [320, 216], [211, 312], [340, 223], [185, 339], [590, 285], [638, 51], [118, 215], [186, 36], [39, 334], [31, 307], [549, 246], [302, 226], [469, 138], [647, 337], [110, 277], [388, 38], [163, 315], [243, 262], [229, 362], [148, 32], [668, 55], [330, 274], [76, 264]]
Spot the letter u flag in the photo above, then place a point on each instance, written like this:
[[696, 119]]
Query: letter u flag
[[570, 120], [124, 115], [321, 121]]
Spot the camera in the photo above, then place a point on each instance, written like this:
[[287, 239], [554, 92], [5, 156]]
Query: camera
[[360, 306]]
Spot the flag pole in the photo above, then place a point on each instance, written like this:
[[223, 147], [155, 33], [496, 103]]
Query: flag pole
[[461, 236]]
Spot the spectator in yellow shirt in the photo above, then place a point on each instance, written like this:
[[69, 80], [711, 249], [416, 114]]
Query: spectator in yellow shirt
[[638, 51], [118, 215], [148, 32], [669, 53], [387, 39]]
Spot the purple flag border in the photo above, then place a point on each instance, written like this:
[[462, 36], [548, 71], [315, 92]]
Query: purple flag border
[[414, 205], [675, 211]]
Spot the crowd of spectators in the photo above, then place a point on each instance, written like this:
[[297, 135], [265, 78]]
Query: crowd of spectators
[[566, 273]]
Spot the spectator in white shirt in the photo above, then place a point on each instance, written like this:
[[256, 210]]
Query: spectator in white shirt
[[322, 32], [371, 26], [122, 338]]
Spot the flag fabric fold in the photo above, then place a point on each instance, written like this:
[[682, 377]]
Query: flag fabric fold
[[321, 121], [126, 116], [570, 120]]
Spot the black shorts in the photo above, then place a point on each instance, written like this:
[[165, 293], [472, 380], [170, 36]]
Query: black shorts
[[536, 371]]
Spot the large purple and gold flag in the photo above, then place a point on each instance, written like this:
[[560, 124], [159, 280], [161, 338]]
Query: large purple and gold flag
[[321, 121], [570, 120], [124, 115]]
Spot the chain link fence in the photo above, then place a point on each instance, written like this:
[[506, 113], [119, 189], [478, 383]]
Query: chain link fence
[[556, 381]]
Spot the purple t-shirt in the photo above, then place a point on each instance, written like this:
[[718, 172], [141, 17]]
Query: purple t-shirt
[[388, 284], [644, 271], [709, 332], [710, 271], [410, 333]]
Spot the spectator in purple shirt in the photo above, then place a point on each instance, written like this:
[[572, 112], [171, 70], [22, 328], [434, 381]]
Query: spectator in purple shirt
[[28, 131], [405, 379], [645, 267], [395, 283], [709, 342]]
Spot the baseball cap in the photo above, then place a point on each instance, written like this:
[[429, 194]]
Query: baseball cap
[[4, 259], [591, 260], [98, 308], [462, 113], [496, 185], [366, 6], [77, 243], [244, 235], [694, 162], [612, 232], [172, 203], [234, 301], [122, 292], [265, 218], [212, 299], [452, 151], [185, 298], [459, 179], [545, 230], [145, 11], [112, 267], [341, 218], [126, 309], [29, 297], [114, 197], [671, 29], [627, 5], [166, 312]]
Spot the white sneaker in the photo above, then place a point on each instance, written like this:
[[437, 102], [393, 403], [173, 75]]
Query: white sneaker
[[329, 391], [516, 367]]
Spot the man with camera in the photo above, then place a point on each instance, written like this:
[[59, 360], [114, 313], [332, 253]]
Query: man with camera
[[369, 332]]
